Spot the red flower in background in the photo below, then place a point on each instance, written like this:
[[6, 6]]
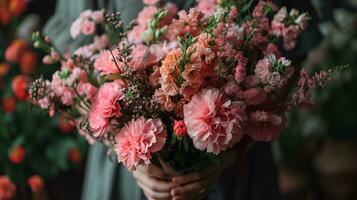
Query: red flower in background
[[36, 183], [4, 68], [9, 104], [16, 49], [64, 124], [17, 154], [74, 155], [5, 15], [17, 7], [7, 188], [28, 62], [20, 85]]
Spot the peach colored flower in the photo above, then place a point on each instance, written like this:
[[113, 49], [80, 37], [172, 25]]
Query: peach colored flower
[[164, 100], [170, 72], [214, 122], [154, 77], [138, 140]]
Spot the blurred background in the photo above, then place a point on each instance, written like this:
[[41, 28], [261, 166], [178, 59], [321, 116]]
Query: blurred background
[[316, 155]]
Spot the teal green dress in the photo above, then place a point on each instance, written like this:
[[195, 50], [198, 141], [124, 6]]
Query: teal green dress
[[106, 179]]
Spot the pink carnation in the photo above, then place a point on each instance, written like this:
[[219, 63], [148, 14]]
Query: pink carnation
[[98, 125], [214, 122], [105, 62], [142, 57], [105, 106], [138, 140]]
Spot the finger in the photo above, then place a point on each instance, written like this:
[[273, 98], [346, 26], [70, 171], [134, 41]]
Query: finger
[[195, 187], [157, 172], [154, 195], [193, 176], [153, 171], [154, 184], [198, 196], [189, 189]]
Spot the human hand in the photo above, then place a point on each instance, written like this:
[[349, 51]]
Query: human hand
[[196, 185], [155, 184]]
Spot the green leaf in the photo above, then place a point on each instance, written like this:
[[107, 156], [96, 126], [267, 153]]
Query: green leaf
[[214, 158]]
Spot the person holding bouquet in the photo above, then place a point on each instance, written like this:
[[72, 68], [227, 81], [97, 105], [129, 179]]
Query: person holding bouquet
[[244, 171]]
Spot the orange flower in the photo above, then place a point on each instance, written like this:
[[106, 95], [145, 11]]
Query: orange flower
[[74, 155], [20, 85], [16, 49], [36, 183], [4, 68], [17, 7], [9, 104], [17, 155], [170, 72], [28, 62]]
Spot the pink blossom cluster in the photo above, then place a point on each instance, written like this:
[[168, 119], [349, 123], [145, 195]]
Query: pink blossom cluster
[[204, 79], [289, 26], [86, 23]]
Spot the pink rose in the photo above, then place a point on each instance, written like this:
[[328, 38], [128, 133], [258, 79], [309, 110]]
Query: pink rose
[[138, 140]]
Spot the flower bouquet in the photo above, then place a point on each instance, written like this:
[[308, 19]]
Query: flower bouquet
[[177, 88]]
